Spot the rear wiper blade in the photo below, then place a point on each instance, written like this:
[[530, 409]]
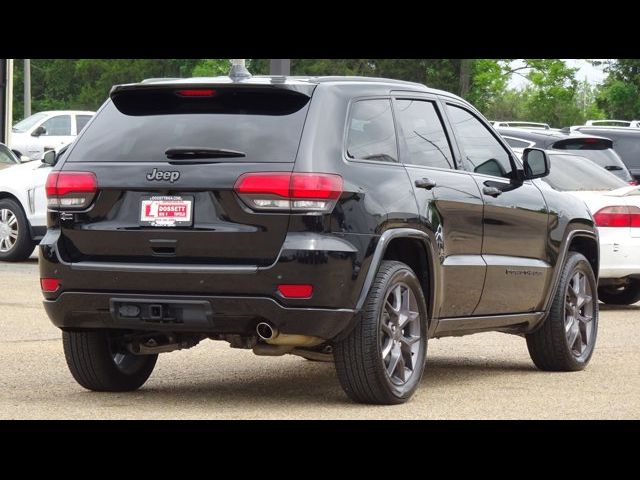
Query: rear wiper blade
[[190, 153], [612, 167]]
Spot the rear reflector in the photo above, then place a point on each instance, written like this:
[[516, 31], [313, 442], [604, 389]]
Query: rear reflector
[[49, 284], [296, 291], [296, 192], [618, 216], [70, 189], [196, 92]]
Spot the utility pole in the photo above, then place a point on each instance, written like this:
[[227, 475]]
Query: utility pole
[[6, 99], [280, 66], [27, 87]]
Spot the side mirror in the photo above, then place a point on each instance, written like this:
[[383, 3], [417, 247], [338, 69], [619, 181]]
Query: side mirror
[[536, 163], [39, 131], [49, 158]]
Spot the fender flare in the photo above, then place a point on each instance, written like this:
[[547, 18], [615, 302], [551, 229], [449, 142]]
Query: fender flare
[[381, 247], [562, 257]]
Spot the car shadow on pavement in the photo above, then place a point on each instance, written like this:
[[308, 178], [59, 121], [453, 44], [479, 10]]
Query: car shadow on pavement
[[443, 371], [618, 308], [307, 383]]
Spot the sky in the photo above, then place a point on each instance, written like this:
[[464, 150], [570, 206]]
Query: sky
[[592, 74]]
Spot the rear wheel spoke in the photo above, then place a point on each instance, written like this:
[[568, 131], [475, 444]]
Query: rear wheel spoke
[[400, 333]]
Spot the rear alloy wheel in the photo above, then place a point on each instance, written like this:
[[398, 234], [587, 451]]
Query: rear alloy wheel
[[566, 339], [15, 237], [98, 360], [382, 360], [625, 294]]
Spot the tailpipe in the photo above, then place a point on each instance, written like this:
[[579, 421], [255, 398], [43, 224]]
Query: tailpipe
[[265, 331], [272, 336]]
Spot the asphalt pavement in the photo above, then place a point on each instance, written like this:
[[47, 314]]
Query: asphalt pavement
[[482, 376]]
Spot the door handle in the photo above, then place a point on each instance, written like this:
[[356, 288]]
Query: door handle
[[492, 191], [425, 183]]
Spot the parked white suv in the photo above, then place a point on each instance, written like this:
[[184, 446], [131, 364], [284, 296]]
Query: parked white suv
[[47, 131]]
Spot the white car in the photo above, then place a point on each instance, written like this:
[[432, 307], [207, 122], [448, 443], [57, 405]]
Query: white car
[[49, 130], [23, 207], [615, 206]]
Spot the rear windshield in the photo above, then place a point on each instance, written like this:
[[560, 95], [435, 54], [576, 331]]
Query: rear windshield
[[573, 173], [598, 152], [263, 131]]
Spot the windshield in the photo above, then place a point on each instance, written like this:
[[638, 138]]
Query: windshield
[[575, 173], [28, 122]]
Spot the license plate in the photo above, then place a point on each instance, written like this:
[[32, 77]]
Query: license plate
[[166, 211]]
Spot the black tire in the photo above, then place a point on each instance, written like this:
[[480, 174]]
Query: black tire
[[624, 295], [23, 245], [91, 359], [360, 364], [549, 346]]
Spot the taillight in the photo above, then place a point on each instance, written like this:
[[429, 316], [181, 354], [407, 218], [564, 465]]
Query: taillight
[[74, 190], [618, 216], [296, 192], [633, 182]]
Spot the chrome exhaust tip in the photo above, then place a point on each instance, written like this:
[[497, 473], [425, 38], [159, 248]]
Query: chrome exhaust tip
[[266, 331]]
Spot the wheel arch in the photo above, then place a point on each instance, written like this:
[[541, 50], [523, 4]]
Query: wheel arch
[[587, 246], [578, 240], [410, 246], [10, 196]]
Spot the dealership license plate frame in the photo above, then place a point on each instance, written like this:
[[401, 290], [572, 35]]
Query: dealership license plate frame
[[148, 219]]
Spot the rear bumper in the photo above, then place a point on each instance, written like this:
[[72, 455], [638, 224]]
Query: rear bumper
[[236, 297], [224, 314]]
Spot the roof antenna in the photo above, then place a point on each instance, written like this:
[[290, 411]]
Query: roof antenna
[[238, 70]]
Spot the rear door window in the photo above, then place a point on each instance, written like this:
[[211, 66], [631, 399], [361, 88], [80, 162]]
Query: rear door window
[[372, 134]]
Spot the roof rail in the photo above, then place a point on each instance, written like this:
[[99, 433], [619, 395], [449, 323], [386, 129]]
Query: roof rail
[[516, 124], [611, 123]]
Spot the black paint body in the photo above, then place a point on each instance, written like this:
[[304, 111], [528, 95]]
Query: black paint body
[[486, 263]]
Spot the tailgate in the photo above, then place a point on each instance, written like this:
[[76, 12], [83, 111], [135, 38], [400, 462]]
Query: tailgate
[[155, 205]]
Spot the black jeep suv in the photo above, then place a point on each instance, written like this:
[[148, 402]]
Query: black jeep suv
[[336, 218]]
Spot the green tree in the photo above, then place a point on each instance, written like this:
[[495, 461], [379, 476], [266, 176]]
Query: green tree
[[552, 96], [619, 96]]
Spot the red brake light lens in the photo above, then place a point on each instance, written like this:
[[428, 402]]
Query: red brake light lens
[[270, 183], [70, 189], [619, 216], [310, 185], [196, 92], [296, 291], [296, 192], [49, 285]]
